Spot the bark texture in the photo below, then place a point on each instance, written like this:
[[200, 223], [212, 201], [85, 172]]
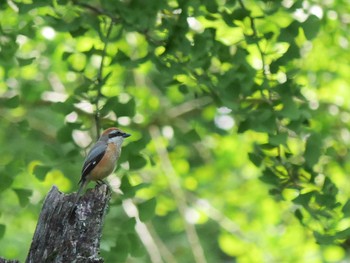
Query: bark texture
[[2, 260], [60, 237]]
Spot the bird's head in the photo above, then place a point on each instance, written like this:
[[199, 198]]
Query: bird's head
[[114, 135]]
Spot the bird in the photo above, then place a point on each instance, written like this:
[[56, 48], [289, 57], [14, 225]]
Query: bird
[[101, 160]]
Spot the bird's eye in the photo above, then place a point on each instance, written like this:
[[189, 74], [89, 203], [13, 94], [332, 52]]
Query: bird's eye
[[114, 134]]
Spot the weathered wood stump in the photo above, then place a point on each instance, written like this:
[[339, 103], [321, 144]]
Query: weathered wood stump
[[59, 238], [2, 260]]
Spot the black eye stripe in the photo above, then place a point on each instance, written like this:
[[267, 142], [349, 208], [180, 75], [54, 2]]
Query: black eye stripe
[[115, 134]]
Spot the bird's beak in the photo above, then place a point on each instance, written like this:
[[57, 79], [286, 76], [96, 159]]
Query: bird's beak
[[126, 135]]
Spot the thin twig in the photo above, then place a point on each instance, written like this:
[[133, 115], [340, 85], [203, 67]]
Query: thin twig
[[98, 11], [255, 34], [178, 194], [143, 232], [265, 70], [91, 8], [220, 218], [163, 249], [100, 79], [188, 106]]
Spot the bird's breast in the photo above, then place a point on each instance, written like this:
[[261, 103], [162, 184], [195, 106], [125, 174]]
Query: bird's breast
[[107, 164]]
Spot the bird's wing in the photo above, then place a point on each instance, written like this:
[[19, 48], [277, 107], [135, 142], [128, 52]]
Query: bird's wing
[[93, 158]]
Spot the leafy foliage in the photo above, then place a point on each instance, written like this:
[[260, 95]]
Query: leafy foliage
[[216, 94]]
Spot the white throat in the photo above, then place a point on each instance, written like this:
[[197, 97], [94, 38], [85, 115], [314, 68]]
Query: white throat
[[118, 140]]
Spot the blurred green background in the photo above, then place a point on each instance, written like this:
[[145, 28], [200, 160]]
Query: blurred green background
[[239, 117]]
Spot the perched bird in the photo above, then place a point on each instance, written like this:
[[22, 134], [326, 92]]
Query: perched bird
[[102, 159]]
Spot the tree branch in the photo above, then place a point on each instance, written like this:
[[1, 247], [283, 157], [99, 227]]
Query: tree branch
[[178, 194], [100, 80]]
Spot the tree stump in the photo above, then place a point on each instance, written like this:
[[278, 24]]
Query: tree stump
[[59, 238], [2, 260]]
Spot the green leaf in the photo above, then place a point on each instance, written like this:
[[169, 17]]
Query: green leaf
[[62, 107], [120, 57], [298, 214], [64, 134], [278, 139], [147, 209], [183, 89], [66, 55], [346, 209], [135, 147], [137, 250], [2, 230], [23, 195], [40, 171], [304, 199], [105, 78], [83, 88], [127, 188], [12, 102], [73, 153], [290, 108], [269, 35], [9, 49], [292, 52], [240, 13], [276, 193], [261, 120], [192, 136], [313, 150], [6, 180], [329, 187], [326, 200], [23, 126], [255, 158], [120, 109], [128, 226], [289, 33], [311, 26], [228, 18], [211, 6], [110, 105], [25, 61], [136, 161], [141, 186], [110, 5], [270, 177], [122, 248], [274, 66], [344, 234], [93, 51], [51, 152], [127, 109], [78, 32], [251, 39], [323, 239]]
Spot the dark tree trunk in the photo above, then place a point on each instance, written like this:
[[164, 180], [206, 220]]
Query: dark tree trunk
[[60, 237]]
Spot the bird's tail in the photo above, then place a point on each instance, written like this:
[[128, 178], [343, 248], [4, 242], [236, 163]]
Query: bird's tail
[[82, 184]]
